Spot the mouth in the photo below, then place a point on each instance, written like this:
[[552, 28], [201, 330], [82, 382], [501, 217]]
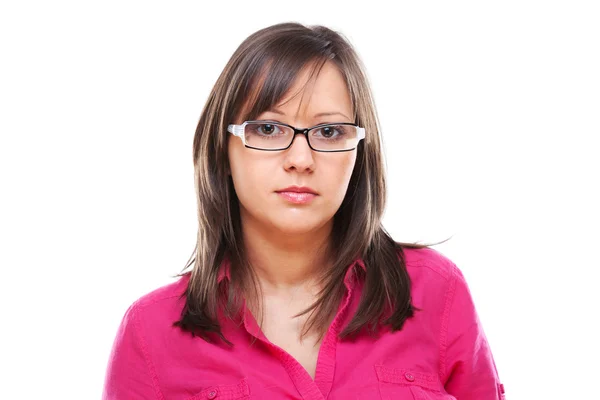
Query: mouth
[[297, 197]]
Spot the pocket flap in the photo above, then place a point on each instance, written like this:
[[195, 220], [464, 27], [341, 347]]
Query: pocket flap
[[238, 390], [408, 377]]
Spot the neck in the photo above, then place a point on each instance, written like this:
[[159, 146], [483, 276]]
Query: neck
[[285, 261]]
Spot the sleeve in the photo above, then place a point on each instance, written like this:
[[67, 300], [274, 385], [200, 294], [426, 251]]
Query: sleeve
[[468, 368], [129, 375]]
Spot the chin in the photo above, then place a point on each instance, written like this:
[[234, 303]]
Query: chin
[[298, 224], [292, 226]]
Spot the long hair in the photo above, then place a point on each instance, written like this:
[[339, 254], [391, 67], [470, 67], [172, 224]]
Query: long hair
[[257, 76]]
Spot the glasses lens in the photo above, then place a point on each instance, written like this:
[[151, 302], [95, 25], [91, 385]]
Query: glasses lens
[[334, 137], [268, 136]]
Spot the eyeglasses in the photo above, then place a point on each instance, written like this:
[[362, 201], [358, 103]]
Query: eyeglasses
[[273, 136]]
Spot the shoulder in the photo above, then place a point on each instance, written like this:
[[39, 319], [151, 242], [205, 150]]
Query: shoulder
[[431, 272], [431, 260], [434, 274], [165, 292], [145, 328], [164, 301]]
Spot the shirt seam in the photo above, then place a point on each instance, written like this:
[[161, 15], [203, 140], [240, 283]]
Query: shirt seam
[[150, 302], [144, 347], [445, 277], [444, 323]]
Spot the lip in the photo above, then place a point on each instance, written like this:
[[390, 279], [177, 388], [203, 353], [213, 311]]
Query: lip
[[298, 189], [298, 197]]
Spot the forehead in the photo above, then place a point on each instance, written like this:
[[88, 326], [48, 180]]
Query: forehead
[[316, 88], [325, 91]]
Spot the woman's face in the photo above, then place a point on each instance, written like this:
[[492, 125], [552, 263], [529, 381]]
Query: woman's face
[[259, 175]]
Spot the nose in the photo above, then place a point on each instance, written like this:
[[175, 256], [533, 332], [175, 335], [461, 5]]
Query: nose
[[299, 155]]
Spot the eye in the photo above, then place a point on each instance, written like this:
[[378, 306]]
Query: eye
[[330, 131], [267, 129]]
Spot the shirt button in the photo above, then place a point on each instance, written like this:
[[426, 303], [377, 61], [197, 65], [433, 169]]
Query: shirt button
[[212, 394], [409, 377]]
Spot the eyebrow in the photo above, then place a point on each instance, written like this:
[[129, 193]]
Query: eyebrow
[[323, 114]]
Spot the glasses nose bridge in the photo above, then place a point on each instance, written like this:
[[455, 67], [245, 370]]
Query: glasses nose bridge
[[303, 131]]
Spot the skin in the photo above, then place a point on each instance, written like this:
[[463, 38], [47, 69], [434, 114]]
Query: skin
[[287, 242]]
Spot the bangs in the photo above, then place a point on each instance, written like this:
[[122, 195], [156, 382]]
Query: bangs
[[267, 84]]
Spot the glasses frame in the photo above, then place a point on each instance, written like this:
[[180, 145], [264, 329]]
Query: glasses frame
[[238, 130]]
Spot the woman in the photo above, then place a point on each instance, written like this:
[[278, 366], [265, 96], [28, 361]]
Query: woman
[[296, 290]]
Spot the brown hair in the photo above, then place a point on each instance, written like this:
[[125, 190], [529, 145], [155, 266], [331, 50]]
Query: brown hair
[[258, 75]]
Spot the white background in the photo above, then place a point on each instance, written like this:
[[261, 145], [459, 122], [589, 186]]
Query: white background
[[490, 118]]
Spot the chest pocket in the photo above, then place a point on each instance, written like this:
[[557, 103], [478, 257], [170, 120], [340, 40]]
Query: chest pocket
[[409, 384], [236, 391]]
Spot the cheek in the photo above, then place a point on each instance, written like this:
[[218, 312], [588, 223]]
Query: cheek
[[345, 168], [250, 183], [339, 177]]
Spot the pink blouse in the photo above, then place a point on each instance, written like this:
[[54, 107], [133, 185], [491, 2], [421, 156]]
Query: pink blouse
[[440, 354]]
